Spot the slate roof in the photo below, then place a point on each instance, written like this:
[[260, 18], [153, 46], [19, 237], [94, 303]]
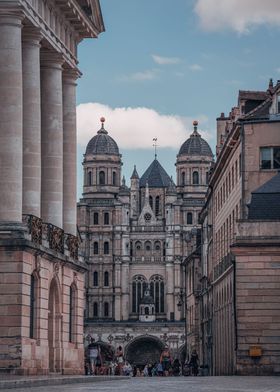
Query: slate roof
[[196, 145], [155, 176], [265, 202], [102, 144], [261, 112]]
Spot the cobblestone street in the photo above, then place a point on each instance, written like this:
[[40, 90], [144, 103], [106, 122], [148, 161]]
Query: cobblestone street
[[190, 384]]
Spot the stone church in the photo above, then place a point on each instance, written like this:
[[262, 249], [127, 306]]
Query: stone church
[[134, 240]]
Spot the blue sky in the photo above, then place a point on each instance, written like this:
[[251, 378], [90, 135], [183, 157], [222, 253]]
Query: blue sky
[[160, 64]]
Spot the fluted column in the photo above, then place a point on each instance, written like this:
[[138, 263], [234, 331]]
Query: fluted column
[[69, 151], [52, 138], [10, 115], [31, 199]]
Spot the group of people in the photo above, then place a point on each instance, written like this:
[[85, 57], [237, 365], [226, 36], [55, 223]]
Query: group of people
[[95, 364]]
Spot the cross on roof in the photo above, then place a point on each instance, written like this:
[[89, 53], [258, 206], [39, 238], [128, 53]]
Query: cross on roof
[[155, 146]]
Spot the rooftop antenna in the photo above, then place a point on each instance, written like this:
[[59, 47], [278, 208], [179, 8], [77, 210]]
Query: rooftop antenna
[[155, 145]]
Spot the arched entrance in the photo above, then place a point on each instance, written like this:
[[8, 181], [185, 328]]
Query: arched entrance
[[54, 327], [143, 350]]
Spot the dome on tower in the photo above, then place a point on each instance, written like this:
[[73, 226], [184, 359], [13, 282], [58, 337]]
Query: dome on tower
[[196, 145], [102, 143]]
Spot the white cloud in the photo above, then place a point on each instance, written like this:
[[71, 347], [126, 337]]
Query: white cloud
[[196, 67], [135, 128], [140, 76], [237, 15], [165, 60]]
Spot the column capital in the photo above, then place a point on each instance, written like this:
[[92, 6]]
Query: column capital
[[70, 75], [51, 59], [11, 13], [31, 36]]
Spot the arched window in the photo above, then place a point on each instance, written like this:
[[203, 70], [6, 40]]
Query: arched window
[[148, 246], [139, 285], [157, 205], [189, 218], [106, 309], [106, 218], [95, 248], [106, 278], [114, 177], [95, 218], [101, 177], [106, 248], [151, 202], [72, 313], [33, 306], [147, 310], [95, 309], [89, 179], [157, 292], [195, 177], [138, 248], [157, 246], [183, 178], [95, 279]]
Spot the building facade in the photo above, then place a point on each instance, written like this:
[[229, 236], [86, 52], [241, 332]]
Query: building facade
[[134, 240], [41, 275], [239, 317]]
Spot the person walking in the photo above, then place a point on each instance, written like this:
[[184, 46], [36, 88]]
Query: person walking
[[194, 363], [165, 360], [93, 353]]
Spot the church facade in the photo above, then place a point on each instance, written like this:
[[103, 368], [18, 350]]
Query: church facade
[[134, 240]]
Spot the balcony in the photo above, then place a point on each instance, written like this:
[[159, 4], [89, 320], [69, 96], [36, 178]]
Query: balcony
[[148, 259]]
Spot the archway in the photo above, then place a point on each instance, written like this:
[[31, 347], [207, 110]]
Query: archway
[[143, 350], [54, 327]]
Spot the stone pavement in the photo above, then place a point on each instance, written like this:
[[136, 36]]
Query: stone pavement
[[8, 382], [180, 384]]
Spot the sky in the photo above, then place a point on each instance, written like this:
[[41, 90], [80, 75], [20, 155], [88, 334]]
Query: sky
[[161, 64]]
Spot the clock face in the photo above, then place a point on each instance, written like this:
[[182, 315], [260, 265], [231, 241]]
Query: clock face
[[147, 217]]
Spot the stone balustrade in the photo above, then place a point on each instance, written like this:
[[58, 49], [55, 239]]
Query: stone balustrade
[[51, 236]]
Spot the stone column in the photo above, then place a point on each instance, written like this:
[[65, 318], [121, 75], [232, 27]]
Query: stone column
[[31, 199], [69, 151], [10, 115], [52, 137]]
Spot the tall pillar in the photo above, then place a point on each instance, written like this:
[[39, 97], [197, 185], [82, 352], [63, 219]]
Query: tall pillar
[[31, 199], [69, 151], [10, 116], [52, 137]]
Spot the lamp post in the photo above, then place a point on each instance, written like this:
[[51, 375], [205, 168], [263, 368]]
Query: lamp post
[[182, 301]]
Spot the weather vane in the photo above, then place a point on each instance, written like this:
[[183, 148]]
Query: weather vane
[[155, 145]]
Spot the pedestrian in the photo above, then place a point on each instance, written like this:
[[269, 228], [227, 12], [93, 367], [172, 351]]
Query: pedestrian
[[159, 369], [194, 363], [146, 371], [176, 366], [93, 353], [165, 360], [120, 359]]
